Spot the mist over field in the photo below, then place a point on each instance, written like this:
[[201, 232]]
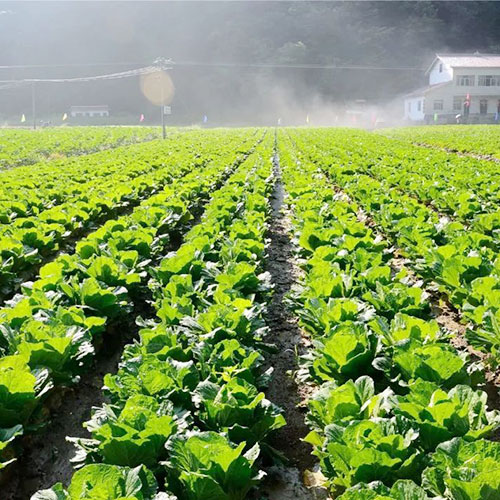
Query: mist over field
[[225, 52]]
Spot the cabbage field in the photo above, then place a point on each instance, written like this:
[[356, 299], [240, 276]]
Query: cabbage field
[[24, 147], [264, 314]]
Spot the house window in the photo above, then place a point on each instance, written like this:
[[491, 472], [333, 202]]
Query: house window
[[466, 80], [419, 105], [441, 68], [409, 107], [483, 106], [438, 105], [457, 103], [489, 80]]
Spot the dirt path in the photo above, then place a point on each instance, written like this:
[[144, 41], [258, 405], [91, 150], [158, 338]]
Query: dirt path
[[285, 482]]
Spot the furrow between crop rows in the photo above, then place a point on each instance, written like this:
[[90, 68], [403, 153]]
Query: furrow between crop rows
[[284, 481]]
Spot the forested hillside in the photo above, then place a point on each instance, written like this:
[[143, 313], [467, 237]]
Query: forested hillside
[[387, 34]]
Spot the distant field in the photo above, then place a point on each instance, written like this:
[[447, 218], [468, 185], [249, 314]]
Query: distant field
[[225, 296], [24, 146], [477, 139]]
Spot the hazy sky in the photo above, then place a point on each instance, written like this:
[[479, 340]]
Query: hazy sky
[[401, 34]]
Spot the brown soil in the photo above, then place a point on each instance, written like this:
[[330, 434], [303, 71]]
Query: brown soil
[[286, 482]]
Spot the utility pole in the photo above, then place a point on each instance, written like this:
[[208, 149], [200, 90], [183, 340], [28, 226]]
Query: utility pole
[[162, 107], [33, 104], [163, 65]]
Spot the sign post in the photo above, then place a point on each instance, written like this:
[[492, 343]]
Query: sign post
[[164, 131], [162, 95], [33, 104], [165, 110]]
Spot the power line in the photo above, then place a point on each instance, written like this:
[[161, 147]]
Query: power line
[[295, 66], [69, 65], [113, 76], [227, 65], [160, 64]]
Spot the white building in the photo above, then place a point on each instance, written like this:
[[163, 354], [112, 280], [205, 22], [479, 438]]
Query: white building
[[89, 111], [465, 84]]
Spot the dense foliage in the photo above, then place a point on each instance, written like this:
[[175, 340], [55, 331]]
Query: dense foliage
[[396, 293], [22, 147], [477, 139], [186, 401], [399, 412], [48, 335]]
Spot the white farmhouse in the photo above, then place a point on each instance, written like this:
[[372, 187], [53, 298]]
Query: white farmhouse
[[89, 111], [459, 84]]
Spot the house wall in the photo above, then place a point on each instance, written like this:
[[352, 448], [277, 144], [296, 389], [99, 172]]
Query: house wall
[[90, 113], [435, 76], [444, 93], [477, 89], [411, 108], [449, 92]]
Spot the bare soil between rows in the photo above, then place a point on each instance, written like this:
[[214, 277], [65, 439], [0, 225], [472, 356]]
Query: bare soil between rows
[[285, 482]]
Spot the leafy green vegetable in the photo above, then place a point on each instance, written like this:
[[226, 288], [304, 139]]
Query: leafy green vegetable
[[468, 470], [436, 362], [357, 400], [239, 409], [105, 482], [382, 449], [130, 436], [348, 351], [403, 489], [205, 466], [442, 415]]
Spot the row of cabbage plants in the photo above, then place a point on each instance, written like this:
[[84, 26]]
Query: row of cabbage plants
[[462, 262], [475, 139], [26, 147], [398, 413], [186, 410], [464, 188], [50, 332], [26, 241]]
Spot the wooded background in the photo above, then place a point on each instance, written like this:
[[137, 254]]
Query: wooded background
[[384, 34]]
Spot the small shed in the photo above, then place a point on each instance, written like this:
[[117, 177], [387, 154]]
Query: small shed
[[100, 110]]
